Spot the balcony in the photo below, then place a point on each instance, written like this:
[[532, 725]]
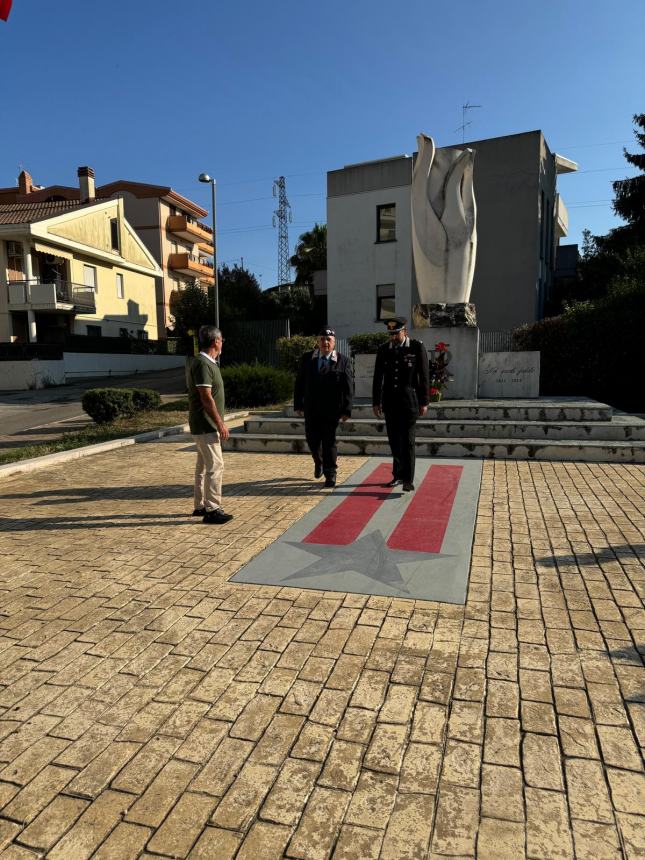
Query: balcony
[[561, 218], [36, 295], [189, 264], [189, 231]]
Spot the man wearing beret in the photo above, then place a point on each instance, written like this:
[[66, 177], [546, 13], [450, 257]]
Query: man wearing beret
[[323, 393], [400, 390]]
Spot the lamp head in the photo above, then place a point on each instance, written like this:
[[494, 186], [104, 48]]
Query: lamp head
[[204, 177]]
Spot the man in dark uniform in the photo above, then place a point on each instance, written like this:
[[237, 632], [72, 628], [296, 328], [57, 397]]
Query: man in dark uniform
[[323, 393], [400, 390]]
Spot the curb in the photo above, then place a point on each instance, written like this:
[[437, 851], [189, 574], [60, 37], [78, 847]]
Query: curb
[[34, 463]]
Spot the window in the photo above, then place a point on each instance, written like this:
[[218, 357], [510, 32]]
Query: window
[[120, 293], [15, 261], [123, 332], [142, 334], [114, 234], [93, 330], [89, 277], [384, 301], [386, 223]]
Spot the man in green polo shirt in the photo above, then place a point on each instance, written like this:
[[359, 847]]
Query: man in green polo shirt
[[206, 422]]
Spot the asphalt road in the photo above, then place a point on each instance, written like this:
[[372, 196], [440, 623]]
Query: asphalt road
[[27, 416]]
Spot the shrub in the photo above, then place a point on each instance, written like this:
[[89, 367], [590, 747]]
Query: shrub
[[291, 348], [145, 398], [367, 343], [256, 385], [105, 404], [594, 349]]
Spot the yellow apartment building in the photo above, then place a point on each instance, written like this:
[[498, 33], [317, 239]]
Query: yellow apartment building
[[68, 267]]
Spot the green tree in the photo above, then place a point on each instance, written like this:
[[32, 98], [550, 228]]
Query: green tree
[[189, 309], [310, 254], [306, 314], [240, 294], [616, 260]]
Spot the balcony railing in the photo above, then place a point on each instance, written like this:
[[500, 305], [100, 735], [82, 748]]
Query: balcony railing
[[51, 295], [191, 264], [190, 231]]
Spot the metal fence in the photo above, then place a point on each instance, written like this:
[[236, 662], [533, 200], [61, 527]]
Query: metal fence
[[122, 345], [496, 341], [253, 341], [29, 351]]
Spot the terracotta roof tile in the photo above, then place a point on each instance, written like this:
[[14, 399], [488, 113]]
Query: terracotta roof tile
[[27, 213]]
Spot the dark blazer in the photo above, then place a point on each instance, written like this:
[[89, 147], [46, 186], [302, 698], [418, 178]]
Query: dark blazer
[[401, 377], [329, 393]]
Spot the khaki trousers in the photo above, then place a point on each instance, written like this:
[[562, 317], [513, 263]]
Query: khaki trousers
[[209, 471]]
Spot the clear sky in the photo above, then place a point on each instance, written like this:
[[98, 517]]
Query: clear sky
[[160, 90]]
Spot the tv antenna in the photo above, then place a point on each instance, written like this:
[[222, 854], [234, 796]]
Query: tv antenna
[[464, 124]]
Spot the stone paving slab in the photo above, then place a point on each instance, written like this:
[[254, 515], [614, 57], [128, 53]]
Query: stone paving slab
[[367, 564], [149, 707]]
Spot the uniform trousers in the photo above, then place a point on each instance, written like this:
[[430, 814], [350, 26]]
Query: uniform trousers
[[320, 431], [209, 471], [401, 434]]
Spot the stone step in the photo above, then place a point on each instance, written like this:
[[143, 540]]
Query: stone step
[[542, 409], [591, 451], [620, 429]]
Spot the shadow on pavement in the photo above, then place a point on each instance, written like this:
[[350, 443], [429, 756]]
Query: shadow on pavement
[[609, 553]]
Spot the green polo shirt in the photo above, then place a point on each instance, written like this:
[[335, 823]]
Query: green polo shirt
[[203, 371]]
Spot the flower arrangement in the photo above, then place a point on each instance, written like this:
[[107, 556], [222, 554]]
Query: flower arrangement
[[439, 375]]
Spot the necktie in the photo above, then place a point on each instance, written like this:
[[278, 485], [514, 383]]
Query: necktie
[[324, 365]]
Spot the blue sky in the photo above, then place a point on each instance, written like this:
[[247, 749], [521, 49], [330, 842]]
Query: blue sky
[[159, 91]]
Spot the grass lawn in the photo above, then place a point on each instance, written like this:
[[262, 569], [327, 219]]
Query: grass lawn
[[169, 415]]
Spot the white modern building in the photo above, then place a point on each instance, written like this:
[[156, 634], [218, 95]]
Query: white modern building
[[520, 221]]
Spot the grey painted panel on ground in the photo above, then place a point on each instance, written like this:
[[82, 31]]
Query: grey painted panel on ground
[[368, 566]]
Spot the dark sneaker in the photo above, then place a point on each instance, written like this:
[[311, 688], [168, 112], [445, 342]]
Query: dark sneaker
[[407, 487], [216, 518], [330, 481], [199, 512], [393, 483], [318, 470]]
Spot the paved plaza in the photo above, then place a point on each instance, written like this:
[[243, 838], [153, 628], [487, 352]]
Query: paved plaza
[[152, 708]]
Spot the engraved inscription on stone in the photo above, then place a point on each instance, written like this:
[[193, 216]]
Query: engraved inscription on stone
[[509, 374], [363, 375]]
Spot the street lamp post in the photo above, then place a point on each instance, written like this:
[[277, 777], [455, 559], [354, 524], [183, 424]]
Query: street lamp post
[[204, 177]]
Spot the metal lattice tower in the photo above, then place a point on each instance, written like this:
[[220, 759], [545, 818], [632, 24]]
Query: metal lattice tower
[[281, 217]]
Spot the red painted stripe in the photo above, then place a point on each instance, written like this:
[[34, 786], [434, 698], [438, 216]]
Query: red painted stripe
[[344, 524], [423, 525]]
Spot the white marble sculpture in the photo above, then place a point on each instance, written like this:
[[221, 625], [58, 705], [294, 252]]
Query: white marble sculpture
[[444, 233]]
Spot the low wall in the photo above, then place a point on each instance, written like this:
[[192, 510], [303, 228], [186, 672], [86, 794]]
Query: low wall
[[31, 373], [85, 365], [39, 373]]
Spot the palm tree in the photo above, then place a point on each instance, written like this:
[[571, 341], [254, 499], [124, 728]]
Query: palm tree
[[310, 255]]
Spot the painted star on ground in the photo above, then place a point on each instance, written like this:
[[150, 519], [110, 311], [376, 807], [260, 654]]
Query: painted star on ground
[[368, 556]]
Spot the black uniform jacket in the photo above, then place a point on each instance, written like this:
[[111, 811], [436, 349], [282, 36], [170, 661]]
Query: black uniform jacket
[[329, 393], [401, 377]]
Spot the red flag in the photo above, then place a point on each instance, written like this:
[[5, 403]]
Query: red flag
[[5, 8]]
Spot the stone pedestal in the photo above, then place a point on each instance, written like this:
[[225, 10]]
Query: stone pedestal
[[444, 314], [456, 326]]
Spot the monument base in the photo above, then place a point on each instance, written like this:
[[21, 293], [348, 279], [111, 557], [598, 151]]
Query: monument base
[[444, 314], [456, 326]]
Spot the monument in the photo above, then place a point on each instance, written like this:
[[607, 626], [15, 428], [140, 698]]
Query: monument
[[444, 246]]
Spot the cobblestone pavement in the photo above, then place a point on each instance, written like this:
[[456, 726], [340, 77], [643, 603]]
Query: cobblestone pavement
[[152, 709]]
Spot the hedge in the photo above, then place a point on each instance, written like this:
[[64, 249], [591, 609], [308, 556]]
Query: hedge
[[367, 343], [145, 399], [107, 404], [256, 385], [593, 350], [290, 350]]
